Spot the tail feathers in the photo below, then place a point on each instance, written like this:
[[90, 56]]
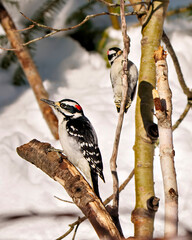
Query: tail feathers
[[94, 177], [118, 106]]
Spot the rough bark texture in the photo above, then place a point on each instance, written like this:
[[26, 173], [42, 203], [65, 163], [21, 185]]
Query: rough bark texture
[[142, 217], [163, 115], [29, 69], [60, 169]]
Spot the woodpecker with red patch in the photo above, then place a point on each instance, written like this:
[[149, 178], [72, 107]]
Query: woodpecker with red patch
[[115, 57], [79, 140]]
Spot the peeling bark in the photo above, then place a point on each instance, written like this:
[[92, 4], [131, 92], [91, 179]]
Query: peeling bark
[[164, 114]]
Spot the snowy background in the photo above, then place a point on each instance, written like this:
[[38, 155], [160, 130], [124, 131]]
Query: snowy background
[[69, 71]]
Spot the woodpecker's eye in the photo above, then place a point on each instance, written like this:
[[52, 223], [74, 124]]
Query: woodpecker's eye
[[63, 105]]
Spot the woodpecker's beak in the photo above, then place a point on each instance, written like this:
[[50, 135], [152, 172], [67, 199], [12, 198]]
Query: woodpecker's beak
[[51, 103], [119, 52]]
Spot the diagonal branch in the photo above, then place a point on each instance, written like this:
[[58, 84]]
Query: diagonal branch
[[62, 171], [29, 68], [183, 115], [107, 200], [171, 51]]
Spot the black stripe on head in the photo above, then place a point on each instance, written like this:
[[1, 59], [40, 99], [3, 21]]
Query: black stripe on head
[[112, 54], [71, 106]]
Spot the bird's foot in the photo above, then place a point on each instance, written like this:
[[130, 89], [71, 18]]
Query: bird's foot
[[52, 149]]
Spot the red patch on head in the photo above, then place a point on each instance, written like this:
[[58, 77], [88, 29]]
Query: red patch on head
[[108, 52], [78, 107]]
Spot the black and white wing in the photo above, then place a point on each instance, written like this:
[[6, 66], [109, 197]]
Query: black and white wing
[[82, 130]]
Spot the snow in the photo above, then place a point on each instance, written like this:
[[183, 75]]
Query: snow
[[69, 71]]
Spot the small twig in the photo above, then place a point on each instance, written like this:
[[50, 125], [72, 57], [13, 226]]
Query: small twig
[[183, 115], [79, 24], [75, 232], [122, 186], [55, 31], [24, 29], [107, 200], [171, 51], [64, 200], [8, 49], [118, 5], [78, 222]]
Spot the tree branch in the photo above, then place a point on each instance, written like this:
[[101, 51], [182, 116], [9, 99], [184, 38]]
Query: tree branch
[[113, 160], [171, 51], [107, 200], [55, 31], [29, 69], [163, 106], [62, 171], [118, 5], [183, 115]]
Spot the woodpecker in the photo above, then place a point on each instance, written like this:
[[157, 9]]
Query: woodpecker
[[79, 140], [115, 57]]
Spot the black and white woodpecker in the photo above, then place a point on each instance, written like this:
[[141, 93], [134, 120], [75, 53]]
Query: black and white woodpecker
[[115, 57], [79, 140]]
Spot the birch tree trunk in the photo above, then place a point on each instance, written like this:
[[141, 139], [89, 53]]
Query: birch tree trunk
[[163, 105]]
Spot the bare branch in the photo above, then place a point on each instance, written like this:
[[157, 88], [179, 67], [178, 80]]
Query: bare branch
[[122, 186], [114, 210], [63, 200], [171, 51], [107, 200], [55, 31], [118, 5], [183, 115], [121, 114], [75, 231], [29, 69], [25, 29], [62, 171]]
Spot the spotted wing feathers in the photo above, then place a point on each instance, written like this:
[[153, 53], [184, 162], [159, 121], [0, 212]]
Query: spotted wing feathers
[[82, 130]]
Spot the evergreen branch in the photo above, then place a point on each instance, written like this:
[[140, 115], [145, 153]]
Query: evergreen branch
[[47, 7]]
